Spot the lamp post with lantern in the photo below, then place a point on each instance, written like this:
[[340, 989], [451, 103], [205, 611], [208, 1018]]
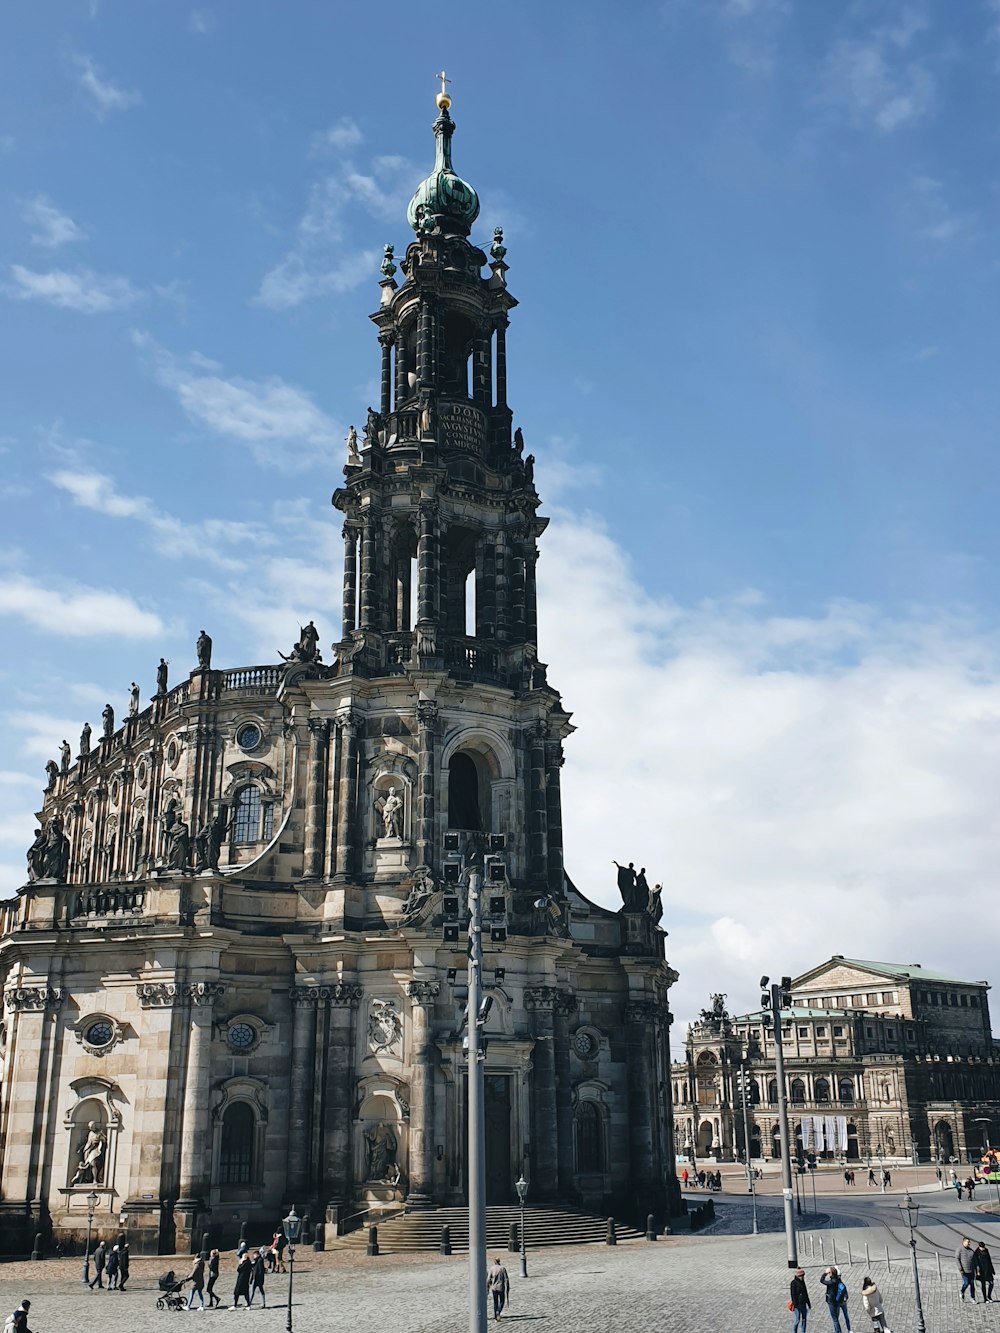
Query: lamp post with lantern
[[291, 1226], [91, 1209], [522, 1193], [910, 1213]]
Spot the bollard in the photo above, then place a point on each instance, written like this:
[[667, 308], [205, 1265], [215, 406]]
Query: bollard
[[833, 1247], [710, 1209], [868, 1260], [373, 1240], [650, 1227], [36, 1253], [205, 1244], [513, 1244], [887, 1257], [243, 1231], [445, 1246], [850, 1257], [318, 1236], [822, 1252], [612, 1239], [937, 1256], [305, 1235]]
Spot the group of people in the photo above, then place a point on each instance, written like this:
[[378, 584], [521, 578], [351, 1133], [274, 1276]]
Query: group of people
[[252, 1267], [111, 1264], [836, 1301], [705, 1180], [975, 1263]]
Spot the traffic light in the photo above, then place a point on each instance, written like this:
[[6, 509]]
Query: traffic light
[[449, 910]]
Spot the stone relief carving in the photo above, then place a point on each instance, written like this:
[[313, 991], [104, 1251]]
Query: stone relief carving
[[384, 1025], [23, 999]]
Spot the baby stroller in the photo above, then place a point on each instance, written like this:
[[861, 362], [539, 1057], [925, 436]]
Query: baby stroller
[[171, 1288]]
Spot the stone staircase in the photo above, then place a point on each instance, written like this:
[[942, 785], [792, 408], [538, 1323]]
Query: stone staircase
[[416, 1231]]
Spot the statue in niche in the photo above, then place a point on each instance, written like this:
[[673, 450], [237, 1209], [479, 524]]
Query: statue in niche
[[353, 457], [169, 817], [36, 856], [138, 828], [85, 739], [108, 721], [133, 700], [390, 809], [380, 1152], [203, 647], [179, 850], [52, 772], [90, 1170], [65, 756], [210, 838], [162, 672], [55, 861]]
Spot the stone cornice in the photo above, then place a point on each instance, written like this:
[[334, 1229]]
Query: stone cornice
[[423, 991], [30, 999], [341, 994]]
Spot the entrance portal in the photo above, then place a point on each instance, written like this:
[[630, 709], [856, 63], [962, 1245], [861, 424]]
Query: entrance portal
[[499, 1181]]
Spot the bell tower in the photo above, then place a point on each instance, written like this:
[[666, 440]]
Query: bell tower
[[440, 529]]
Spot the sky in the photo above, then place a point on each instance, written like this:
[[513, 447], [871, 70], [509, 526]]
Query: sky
[[755, 248]]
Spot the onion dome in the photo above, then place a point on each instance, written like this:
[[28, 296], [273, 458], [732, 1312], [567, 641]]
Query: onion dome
[[443, 201]]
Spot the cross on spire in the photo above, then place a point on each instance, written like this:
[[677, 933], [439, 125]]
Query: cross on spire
[[444, 81]]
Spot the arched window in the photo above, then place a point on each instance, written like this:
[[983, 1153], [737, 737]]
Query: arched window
[[236, 1149], [798, 1092], [772, 1092], [847, 1091], [754, 1092], [821, 1090], [589, 1148], [463, 793], [251, 817]]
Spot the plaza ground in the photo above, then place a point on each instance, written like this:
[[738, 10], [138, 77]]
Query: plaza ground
[[698, 1284]]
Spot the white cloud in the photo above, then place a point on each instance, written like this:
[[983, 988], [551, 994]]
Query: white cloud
[[52, 228], [278, 422], [105, 96], [75, 612], [936, 220], [339, 138], [83, 290], [791, 780], [202, 21], [221, 542], [872, 82]]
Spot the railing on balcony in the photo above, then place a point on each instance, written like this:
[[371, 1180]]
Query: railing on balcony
[[467, 656], [253, 680], [115, 902]]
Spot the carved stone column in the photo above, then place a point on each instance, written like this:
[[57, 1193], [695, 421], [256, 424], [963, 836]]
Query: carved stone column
[[29, 1098], [347, 796], [537, 807], [195, 1177], [553, 816], [300, 1090], [647, 1189], [541, 1001], [502, 361], [386, 341], [315, 822], [427, 720], [350, 606], [427, 566], [530, 593], [340, 1085], [402, 368], [422, 1073], [369, 572], [564, 1006]]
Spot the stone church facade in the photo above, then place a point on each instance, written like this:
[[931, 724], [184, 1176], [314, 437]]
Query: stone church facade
[[905, 1055], [233, 980]]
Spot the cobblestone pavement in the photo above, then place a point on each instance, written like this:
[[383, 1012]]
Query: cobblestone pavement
[[690, 1284]]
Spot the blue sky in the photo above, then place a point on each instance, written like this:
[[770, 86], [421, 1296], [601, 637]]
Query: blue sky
[[755, 247]]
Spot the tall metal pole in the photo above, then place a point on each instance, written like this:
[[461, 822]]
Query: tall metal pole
[[291, 1279], [86, 1257], [477, 1119], [921, 1326], [745, 1092], [786, 1154]]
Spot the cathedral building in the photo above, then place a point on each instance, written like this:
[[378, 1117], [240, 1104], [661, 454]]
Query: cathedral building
[[904, 1056], [234, 978]]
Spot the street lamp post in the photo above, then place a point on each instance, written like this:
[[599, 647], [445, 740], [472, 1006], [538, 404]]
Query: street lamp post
[[477, 1114], [743, 1083], [910, 1212], [91, 1209], [291, 1225], [779, 998], [522, 1193]]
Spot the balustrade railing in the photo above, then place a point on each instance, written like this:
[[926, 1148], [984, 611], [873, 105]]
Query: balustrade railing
[[122, 901], [251, 680]]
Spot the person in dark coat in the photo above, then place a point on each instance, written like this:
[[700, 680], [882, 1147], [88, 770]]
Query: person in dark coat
[[966, 1259], [258, 1271], [213, 1277], [122, 1264], [113, 1267], [280, 1248], [836, 1298], [799, 1301], [242, 1287], [197, 1279], [984, 1270], [99, 1255]]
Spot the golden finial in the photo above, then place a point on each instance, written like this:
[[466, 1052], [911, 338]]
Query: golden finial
[[443, 98]]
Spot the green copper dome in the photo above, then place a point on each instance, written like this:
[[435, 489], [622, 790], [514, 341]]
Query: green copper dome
[[443, 200]]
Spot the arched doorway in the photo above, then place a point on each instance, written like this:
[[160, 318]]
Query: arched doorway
[[705, 1139], [853, 1155], [756, 1150], [776, 1142], [944, 1142]]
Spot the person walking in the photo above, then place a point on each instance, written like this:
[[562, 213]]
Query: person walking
[[970, 1188], [17, 1322], [836, 1298], [684, 1178], [242, 1287], [123, 1263], [799, 1302], [966, 1257], [197, 1279], [498, 1285], [258, 1271], [871, 1178], [984, 1270], [99, 1258], [213, 1277], [112, 1268], [282, 1241], [871, 1299], [958, 1188]]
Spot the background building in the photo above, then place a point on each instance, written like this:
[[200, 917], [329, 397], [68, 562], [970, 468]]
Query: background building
[[906, 1055], [232, 982]]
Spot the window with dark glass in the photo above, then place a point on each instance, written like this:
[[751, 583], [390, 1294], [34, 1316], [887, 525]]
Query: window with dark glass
[[236, 1154], [246, 820], [463, 793], [798, 1091]]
